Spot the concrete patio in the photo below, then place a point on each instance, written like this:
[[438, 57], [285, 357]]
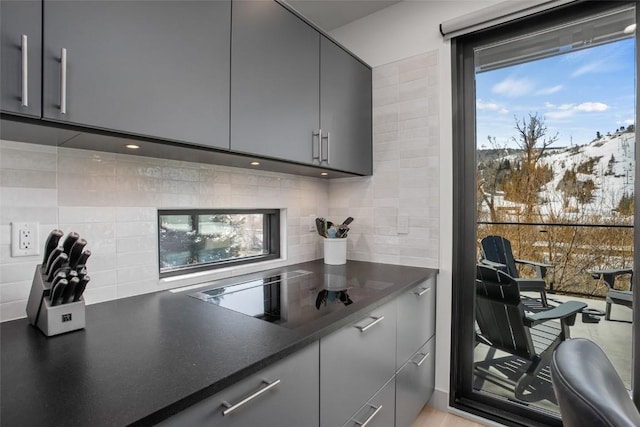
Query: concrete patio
[[614, 336]]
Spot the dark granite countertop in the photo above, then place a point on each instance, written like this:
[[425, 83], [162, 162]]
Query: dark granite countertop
[[144, 358]]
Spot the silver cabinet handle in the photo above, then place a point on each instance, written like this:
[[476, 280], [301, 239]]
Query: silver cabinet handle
[[421, 291], [375, 320], [424, 357], [368, 420], [328, 159], [63, 81], [231, 408], [25, 71], [313, 146]]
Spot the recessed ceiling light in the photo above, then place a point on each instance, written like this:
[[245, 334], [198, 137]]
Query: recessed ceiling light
[[255, 163], [324, 173], [132, 146], [630, 29]]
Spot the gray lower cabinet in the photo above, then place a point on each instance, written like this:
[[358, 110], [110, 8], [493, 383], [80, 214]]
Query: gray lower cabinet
[[345, 110], [21, 49], [415, 384], [379, 411], [275, 70], [416, 318], [149, 68], [284, 394], [355, 362]]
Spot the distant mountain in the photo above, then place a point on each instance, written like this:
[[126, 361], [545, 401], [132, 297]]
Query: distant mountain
[[589, 179]]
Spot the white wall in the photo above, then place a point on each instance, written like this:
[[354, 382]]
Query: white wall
[[395, 36]]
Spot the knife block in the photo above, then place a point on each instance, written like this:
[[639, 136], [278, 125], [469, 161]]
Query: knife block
[[52, 320]]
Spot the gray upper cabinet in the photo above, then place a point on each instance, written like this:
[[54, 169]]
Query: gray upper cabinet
[[274, 82], [21, 35], [345, 114], [150, 68]]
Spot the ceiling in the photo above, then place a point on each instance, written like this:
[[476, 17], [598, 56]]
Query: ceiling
[[331, 14]]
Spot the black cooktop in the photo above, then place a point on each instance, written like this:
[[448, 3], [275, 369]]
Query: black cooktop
[[294, 298]]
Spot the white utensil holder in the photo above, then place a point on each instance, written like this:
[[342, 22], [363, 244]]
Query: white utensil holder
[[52, 320], [335, 251]]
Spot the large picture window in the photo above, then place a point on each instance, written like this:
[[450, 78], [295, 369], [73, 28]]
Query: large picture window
[[194, 240]]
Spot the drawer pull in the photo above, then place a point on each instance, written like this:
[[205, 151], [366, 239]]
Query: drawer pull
[[63, 81], [368, 420], [25, 71], [422, 291], [231, 408], [425, 357], [375, 320]]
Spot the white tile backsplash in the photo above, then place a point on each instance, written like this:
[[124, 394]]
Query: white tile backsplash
[[111, 200]]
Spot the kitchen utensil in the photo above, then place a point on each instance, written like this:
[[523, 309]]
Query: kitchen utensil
[[57, 264], [61, 275], [321, 226], [82, 261], [75, 252], [347, 221], [57, 291], [50, 244], [52, 256], [68, 295], [81, 272], [69, 241], [80, 287]]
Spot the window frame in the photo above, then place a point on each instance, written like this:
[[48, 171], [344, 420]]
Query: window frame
[[461, 393], [271, 227]]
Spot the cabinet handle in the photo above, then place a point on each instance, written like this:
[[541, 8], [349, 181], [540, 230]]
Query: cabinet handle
[[422, 291], [424, 357], [375, 320], [25, 71], [328, 138], [231, 408], [368, 420], [313, 146], [63, 81]]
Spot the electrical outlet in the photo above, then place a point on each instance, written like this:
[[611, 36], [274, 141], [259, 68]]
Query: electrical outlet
[[312, 223], [25, 239]]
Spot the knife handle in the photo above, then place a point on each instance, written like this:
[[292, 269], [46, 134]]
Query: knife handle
[[82, 271], [82, 261], [56, 265], [52, 257], [57, 291], [51, 243], [80, 287], [70, 290], [69, 241], [75, 252], [56, 278]]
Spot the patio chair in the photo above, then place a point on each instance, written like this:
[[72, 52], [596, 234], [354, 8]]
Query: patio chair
[[497, 253], [504, 325], [589, 390], [614, 296]]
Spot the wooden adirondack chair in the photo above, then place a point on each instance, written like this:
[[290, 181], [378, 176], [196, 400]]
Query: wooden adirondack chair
[[504, 325], [497, 253]]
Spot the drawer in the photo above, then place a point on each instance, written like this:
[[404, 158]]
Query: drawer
[[416, 319], [355, 361], [415, 383], [284, 394], [379, 411]]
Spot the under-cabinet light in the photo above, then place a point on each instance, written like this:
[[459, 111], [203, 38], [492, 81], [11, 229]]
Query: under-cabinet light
[[132, 146], [255, 163]]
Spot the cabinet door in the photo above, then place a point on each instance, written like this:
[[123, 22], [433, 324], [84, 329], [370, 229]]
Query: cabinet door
[[275, 82], [20, 35], [345, 115], [379, 411], [416, 318], [151, 68], [355, 362], [293, 401], [415, 383]]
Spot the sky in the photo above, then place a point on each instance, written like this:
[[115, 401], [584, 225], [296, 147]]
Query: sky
[[577, 93]]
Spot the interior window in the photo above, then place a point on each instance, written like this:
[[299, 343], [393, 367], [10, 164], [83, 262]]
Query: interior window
[[191, 240]]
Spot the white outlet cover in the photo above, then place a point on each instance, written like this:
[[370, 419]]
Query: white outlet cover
[[32, 229]]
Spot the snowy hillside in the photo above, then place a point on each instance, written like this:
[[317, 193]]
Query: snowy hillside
[[605, 166]]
